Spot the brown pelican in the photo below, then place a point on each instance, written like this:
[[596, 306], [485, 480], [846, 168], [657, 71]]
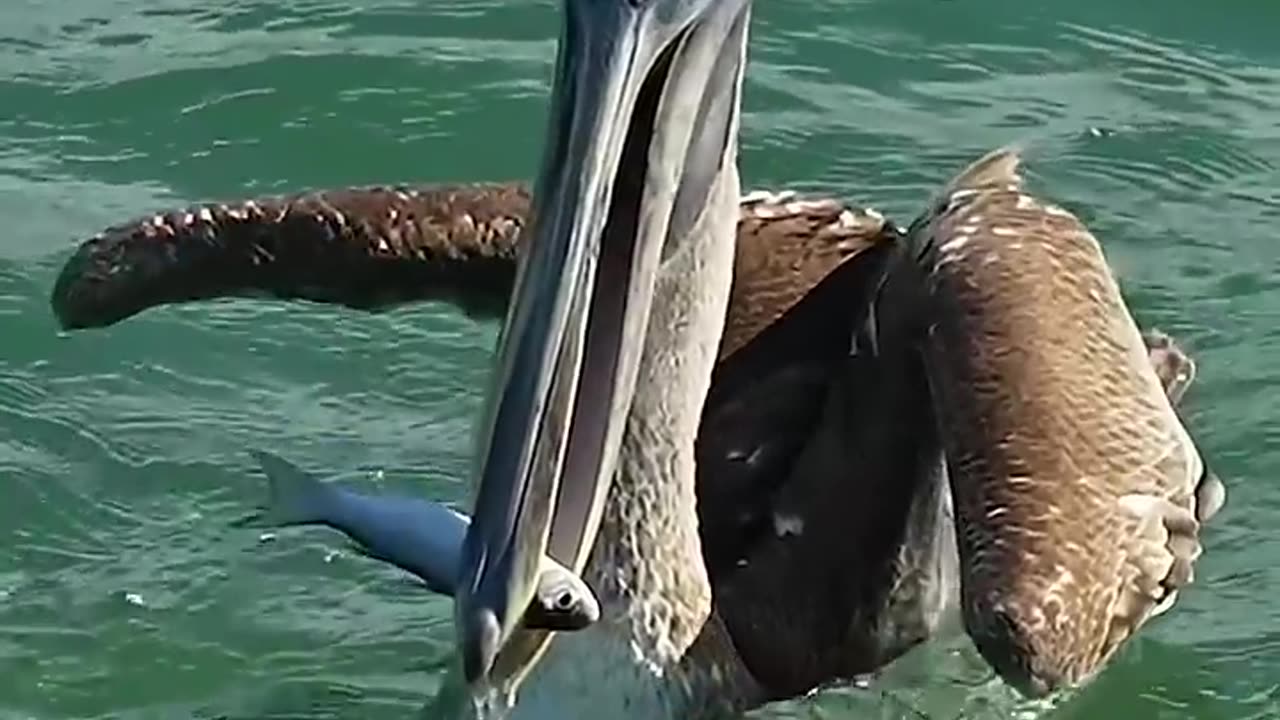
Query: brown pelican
[[782, 353], [798, 261], [841, 562], [606, 360]]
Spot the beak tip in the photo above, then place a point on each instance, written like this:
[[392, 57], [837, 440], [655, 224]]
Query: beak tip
[[480, 644]]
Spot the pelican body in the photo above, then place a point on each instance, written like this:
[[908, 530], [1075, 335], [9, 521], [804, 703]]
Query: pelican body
[[782, 388], [758, 456]]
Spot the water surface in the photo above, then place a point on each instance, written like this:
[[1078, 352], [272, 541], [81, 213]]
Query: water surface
[[125, 594]]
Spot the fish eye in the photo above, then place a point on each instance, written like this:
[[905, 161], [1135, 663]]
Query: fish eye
[[564, 600]]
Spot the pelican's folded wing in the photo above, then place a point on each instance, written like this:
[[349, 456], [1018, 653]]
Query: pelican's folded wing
[[1078, 491]]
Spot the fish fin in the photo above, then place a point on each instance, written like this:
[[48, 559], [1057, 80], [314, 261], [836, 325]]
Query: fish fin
[[408, 577], [295, 497], [402, 578], [358, 548]]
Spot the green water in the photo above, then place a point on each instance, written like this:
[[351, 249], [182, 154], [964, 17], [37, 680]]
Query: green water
[[123, 593]]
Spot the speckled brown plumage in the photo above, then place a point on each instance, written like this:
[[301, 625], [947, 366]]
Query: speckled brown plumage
[[376, 247], [786, 245], [813, 582], [1075, 483], [366, 248]]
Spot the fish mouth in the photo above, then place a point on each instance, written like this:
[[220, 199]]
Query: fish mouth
[[642, 132]]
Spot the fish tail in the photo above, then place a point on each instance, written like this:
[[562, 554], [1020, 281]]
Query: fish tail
[[295, 497]]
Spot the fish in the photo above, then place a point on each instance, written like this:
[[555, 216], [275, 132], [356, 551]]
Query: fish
[[422, 537]]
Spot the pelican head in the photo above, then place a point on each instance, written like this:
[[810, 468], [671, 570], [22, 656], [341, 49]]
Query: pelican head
[[641, 147]]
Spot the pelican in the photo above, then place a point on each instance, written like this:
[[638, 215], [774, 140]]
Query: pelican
[[983, 358]]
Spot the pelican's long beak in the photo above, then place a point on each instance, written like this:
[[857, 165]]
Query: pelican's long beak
[[642, 138]]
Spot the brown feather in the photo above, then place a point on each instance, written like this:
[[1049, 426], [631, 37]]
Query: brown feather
[[786, 246], [377, 247], [1074, 480], [367, 248]]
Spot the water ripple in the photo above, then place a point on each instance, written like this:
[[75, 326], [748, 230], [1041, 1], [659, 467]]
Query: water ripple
[[126, 592]]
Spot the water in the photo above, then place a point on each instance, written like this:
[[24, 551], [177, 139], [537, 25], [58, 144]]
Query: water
[[125, 593]]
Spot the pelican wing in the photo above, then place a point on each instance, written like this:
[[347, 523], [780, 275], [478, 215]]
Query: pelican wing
[[367, 248], [852, 559], [825, 512], [377, 247], [1077, 489], [799, 268]]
